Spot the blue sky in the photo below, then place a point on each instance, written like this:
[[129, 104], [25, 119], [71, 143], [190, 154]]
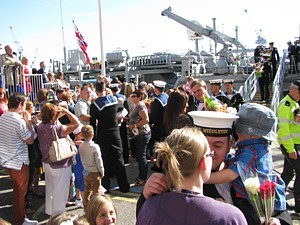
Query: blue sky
[[137, 25]]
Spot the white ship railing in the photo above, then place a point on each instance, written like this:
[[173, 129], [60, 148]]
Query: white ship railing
[[248, 90], [277, 84]]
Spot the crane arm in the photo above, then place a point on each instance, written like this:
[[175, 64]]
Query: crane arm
[[229, 39], [197, 28]]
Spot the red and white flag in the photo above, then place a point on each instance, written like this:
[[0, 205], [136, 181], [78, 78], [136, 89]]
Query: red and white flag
[[81, 42]]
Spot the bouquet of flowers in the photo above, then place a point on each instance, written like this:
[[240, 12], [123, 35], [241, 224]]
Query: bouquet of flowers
[[260, 189], [258, 69], [216, 105]]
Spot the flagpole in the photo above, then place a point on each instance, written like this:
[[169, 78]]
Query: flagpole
[[63, 35], [101, 39], [78, 56]]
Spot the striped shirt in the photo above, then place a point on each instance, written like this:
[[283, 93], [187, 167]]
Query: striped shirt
[[13, 148]]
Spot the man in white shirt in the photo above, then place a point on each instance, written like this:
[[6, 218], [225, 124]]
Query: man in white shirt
[[16, 133], [82, 107]]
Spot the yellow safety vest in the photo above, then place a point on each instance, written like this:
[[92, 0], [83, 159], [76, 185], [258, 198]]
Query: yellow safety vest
[[289, 130]]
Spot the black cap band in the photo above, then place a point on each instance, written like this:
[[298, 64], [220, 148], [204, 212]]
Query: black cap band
[[215, 132]]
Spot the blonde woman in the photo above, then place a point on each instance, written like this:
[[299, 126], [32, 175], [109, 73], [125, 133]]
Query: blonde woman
[[25, 79], [187, 161]]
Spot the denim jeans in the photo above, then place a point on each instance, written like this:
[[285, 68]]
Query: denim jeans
[[140, 143], [20, 184]]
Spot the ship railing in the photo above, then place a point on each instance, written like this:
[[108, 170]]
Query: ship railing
[[31, 84], [148, 60], [53, 85], [277, 84], [12, 81], [248, 90]]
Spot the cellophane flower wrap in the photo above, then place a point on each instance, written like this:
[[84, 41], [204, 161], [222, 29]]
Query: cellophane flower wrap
[[260, 188], [218, 106]]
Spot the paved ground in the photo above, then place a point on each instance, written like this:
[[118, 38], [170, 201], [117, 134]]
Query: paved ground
[[125, 203]]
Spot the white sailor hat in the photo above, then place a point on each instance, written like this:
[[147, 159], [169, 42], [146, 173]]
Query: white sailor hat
[[143, 83], [228, 81], [265, 55], [214, 123], [215, 82], [159, 83], [114, 85]]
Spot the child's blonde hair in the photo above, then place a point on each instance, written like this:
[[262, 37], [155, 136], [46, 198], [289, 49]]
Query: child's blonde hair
[[4, 222], [95, 205], [87, 131]]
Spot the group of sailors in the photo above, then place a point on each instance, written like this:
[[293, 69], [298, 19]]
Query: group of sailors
[[294, 56]]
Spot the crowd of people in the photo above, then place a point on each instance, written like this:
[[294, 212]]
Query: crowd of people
[[189, 130]]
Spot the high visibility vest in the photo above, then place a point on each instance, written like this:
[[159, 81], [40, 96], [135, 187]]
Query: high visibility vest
[[289, 130]]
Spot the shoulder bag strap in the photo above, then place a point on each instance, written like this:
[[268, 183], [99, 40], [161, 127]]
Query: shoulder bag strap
[[54, 133]]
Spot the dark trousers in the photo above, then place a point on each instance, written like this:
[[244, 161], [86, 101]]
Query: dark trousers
[[20, 184], [264, 84], [293, 64], [274, 69], [140, 143], [112, 155], [290, 167], [124, 137]]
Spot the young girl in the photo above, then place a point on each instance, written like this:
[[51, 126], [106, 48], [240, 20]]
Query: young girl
[[101, 210], [78, 168]]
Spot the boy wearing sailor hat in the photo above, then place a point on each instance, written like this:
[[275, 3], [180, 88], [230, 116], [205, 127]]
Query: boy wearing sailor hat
[[215, 88]]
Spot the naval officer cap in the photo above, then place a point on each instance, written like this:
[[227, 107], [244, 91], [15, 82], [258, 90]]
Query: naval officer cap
[[228, 81], [114, 85], [265, 55], [296, 84], [159, 83], [215, 82], [212, 123]]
